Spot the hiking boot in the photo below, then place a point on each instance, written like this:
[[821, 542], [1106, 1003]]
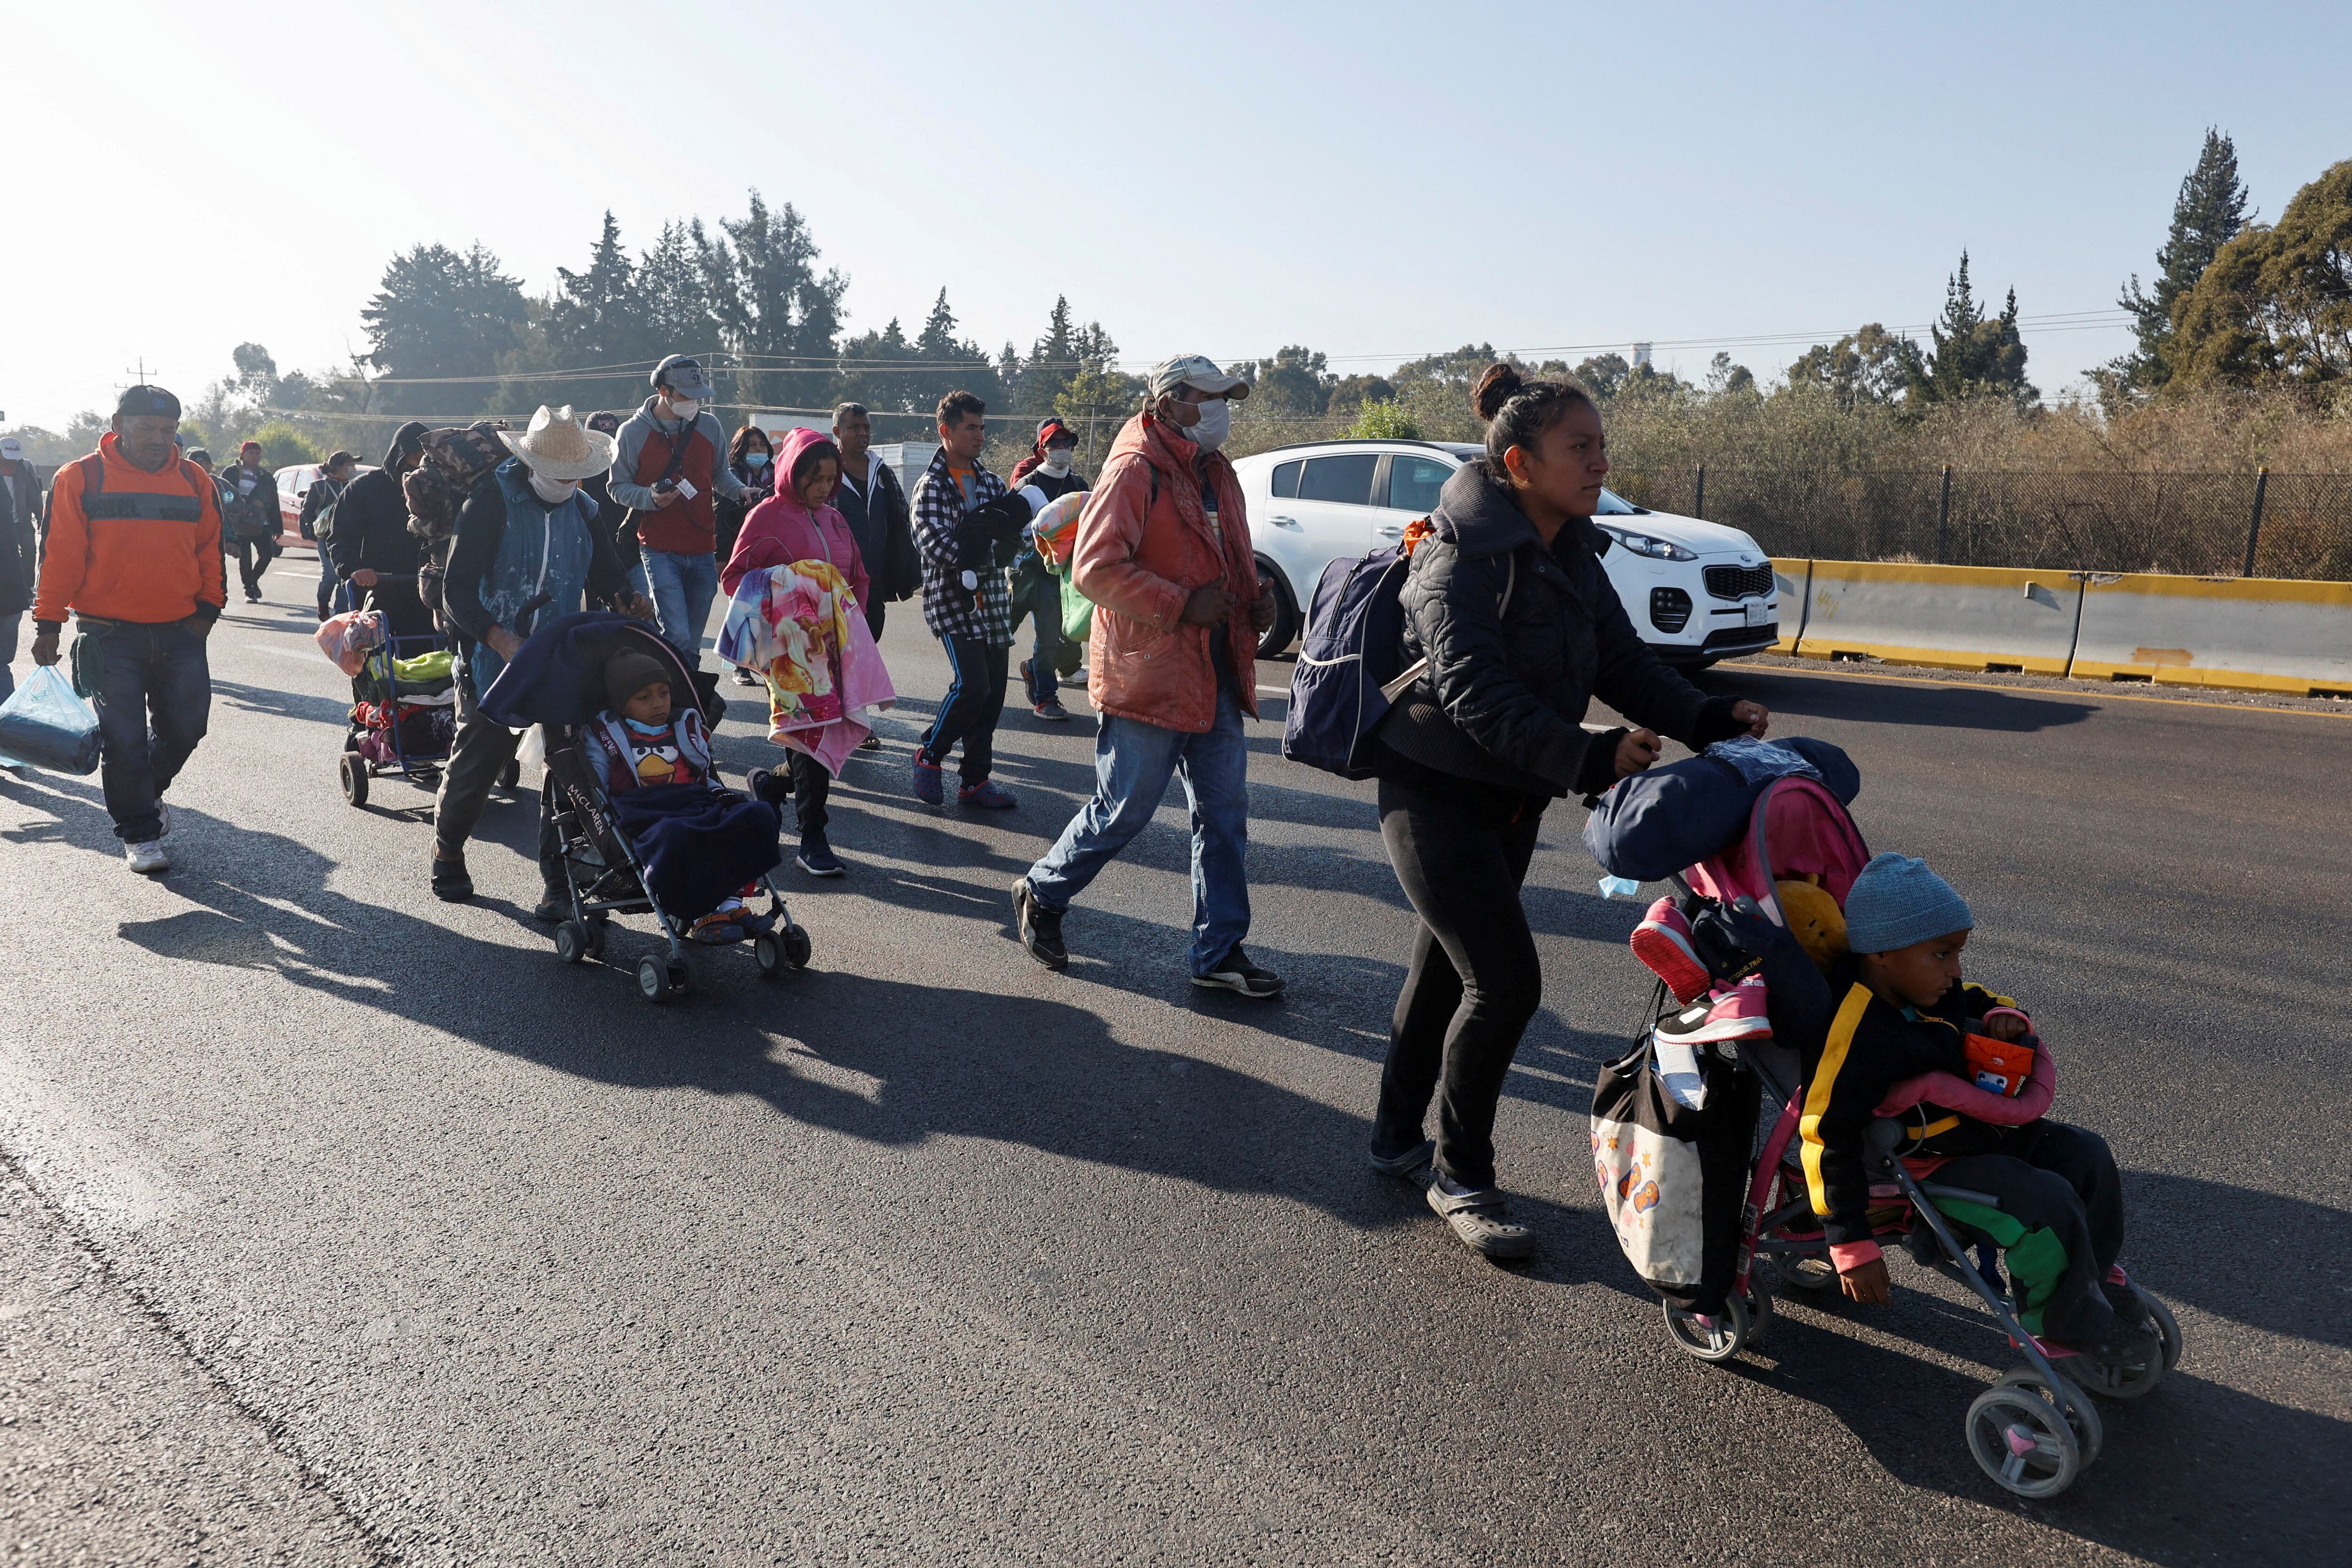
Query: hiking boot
[[930, 788], [816, 857], [148, 858], [1662, 941], [1234, 971], [554, 904], [451, 882], [985, 796], [1039, 927]]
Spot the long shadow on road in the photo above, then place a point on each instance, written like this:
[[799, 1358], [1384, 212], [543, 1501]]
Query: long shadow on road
[[1882, 702]]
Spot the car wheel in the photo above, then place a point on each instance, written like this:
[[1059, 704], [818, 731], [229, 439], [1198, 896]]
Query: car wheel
[[1276, 640]]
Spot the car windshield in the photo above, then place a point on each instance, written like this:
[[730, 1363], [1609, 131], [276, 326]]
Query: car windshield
[[1614, 505]]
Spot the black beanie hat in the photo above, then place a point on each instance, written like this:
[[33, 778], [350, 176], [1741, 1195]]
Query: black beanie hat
[[626, 674]]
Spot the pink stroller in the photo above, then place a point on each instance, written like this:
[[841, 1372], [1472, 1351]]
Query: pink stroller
[[2034, 1430]]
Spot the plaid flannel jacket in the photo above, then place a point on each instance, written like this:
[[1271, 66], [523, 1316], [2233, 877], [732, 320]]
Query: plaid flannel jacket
[[948, 609]]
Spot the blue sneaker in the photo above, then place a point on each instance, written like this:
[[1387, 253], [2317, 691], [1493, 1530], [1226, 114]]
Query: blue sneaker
[[985, 796], [929, 787]]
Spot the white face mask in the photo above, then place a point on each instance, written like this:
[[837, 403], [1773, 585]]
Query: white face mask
[[684, 407], [1058, 460], [554, 491], [1216, 424]]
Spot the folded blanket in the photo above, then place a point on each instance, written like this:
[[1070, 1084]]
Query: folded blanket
[[698, 847]]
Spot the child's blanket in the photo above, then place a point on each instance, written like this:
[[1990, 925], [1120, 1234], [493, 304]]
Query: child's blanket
[[698, 846], [800, 628], [1055, 528], [347, 638]]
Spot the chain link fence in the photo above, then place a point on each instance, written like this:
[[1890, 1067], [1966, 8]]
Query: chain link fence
[[2204, 525]]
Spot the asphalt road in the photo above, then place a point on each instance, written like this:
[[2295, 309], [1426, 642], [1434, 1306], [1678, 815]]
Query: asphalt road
[[367, 1231]]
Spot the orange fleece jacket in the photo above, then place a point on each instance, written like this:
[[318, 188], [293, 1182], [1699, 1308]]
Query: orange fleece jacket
[[131, 569]]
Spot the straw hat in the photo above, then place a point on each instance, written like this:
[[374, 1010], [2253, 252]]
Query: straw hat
[[558, 446]]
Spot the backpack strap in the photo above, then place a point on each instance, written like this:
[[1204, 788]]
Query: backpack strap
[[1420, 667]]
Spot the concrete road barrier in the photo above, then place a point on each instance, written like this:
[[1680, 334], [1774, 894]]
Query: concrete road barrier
[[1793, 582], [1950, 618], [2258, 634]]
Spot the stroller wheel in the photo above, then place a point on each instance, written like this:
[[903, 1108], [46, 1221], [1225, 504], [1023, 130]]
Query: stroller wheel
[[596, 925], [2167, 1327], [769, 953], [797, 946], [1717, 1339], [510, 775], [2021, 1440], [2081, 1415], [572, 942], [2123, 1383], [654, 980], [355, 778]]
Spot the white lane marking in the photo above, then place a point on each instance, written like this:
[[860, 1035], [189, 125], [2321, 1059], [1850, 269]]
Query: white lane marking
[[306, 655]]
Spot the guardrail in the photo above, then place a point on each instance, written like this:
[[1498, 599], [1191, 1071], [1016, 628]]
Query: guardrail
[[2251, 633]]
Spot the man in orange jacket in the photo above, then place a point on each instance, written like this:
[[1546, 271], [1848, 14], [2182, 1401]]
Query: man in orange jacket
[[134, 552]]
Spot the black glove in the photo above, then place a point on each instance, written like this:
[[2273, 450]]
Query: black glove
[[1715, 723], [1598, 772]]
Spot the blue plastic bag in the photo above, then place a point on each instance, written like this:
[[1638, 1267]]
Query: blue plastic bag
[[46, 725]]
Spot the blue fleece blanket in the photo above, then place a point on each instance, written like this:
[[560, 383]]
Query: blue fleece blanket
[[697, 847]]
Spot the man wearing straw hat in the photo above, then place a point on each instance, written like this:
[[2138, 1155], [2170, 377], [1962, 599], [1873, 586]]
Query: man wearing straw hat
[[527, 551]]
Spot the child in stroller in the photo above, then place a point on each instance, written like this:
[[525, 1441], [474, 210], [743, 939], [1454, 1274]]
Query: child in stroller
[[1899, 1112], [644, 822]]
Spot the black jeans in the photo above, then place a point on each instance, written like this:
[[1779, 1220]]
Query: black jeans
[[2062, 1179], [975, 701], [253, 559], [153, 687], [1475, 982], [812, 786]]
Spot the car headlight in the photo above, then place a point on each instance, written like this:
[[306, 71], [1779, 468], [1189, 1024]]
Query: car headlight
[[1645, 544]]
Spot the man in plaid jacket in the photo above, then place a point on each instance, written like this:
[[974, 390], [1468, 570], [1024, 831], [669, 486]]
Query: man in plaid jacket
[[965, 524]]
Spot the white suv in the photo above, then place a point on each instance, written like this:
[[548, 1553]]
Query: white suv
[[1696, 592]]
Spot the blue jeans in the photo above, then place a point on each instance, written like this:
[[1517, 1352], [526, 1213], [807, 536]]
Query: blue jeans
[[1133, 762], [10, 625], [683, 587], [154, 693]]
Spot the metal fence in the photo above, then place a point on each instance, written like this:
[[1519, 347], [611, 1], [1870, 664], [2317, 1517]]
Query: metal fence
[[2208, 525]]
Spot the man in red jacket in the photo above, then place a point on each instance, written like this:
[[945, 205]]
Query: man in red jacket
[[1163, 551], [134, 552]]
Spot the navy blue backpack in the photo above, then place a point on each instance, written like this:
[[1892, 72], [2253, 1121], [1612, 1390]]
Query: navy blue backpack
[[1353, 647]]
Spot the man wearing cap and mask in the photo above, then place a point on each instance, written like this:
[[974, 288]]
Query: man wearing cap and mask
[[527, 533], [134, 552], [669, 462], [253, 520], [1163, 551]]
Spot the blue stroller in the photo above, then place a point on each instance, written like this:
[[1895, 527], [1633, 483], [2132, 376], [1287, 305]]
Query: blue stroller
[[556, 681]]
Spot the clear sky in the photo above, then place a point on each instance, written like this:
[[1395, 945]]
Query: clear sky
[[1374, 180]]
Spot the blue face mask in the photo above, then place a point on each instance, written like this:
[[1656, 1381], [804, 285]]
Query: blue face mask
[[755, 459]]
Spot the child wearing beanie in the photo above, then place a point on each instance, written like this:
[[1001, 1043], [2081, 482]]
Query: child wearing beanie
[[1904, 1010], [640, 742]]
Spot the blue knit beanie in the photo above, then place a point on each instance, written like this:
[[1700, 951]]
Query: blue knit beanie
[[1896, 902]]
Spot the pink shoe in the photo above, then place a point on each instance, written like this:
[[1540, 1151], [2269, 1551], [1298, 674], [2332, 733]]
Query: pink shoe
[[1733, 1012], [1662, 941]]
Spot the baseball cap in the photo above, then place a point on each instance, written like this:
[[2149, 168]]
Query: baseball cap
[[1198, 372], [11, 448], [1049, 427], [683, 376], [146, 400]]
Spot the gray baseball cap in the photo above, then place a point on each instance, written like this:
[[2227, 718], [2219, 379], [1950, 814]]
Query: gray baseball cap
[[683, 376], [1198, 372]]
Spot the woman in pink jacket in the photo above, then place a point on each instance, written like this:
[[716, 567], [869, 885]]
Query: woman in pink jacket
[[799, 523]]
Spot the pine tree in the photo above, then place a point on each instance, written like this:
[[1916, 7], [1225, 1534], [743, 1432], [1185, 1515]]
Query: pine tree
[[1975, 354], [442, 313], [2207, 213]]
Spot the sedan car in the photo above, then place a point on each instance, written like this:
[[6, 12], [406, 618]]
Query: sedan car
[[1697, 591]]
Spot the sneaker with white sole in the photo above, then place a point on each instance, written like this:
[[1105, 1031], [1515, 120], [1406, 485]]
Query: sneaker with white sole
[[147, 858], [1662, 941], [1733, 1012], [1234, 971]]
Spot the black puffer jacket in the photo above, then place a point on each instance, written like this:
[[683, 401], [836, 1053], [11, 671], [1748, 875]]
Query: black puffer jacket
[[1503, 699]]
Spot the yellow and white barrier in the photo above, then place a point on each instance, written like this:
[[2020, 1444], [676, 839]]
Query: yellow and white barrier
[[2260, 633], [1951, 617]]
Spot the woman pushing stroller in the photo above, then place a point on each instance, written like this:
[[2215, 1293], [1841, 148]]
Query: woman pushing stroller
[[1507, 600]]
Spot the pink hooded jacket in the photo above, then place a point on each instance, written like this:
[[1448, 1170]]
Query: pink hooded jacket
[[781, 531]]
